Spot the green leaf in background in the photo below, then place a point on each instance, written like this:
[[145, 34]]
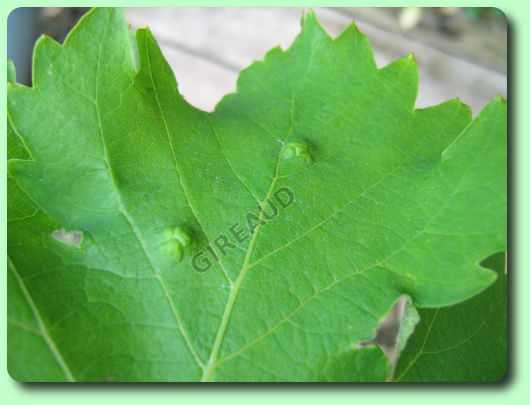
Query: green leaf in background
[[462, 343], [151, 241]]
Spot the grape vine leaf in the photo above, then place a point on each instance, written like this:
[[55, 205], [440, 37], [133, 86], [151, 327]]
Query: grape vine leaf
[[384, 201], [462, 343]]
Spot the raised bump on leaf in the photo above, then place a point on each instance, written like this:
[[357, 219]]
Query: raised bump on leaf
[[176, 238], [178, 233], [297, 149], [173, 249]]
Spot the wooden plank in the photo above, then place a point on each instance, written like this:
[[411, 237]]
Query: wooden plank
[[482, 41]]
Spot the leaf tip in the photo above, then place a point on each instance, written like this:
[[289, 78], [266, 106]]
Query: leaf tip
[[309, 17], [500, 98], [45, 51], [461, 104], [11, 71], [311, 24], [144, 39], [404, 72]]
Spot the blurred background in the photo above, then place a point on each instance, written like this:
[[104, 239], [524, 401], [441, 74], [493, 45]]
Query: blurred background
[[461, 52]]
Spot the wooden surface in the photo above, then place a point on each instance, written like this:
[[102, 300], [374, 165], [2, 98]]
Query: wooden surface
[[208, 47]]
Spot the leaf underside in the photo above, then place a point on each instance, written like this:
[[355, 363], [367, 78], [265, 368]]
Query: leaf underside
[[463, 343], [388, 201]]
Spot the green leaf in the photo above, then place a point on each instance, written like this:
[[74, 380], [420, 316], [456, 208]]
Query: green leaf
[[151, 241], [462, 343], [11, 73], [408, 322]]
